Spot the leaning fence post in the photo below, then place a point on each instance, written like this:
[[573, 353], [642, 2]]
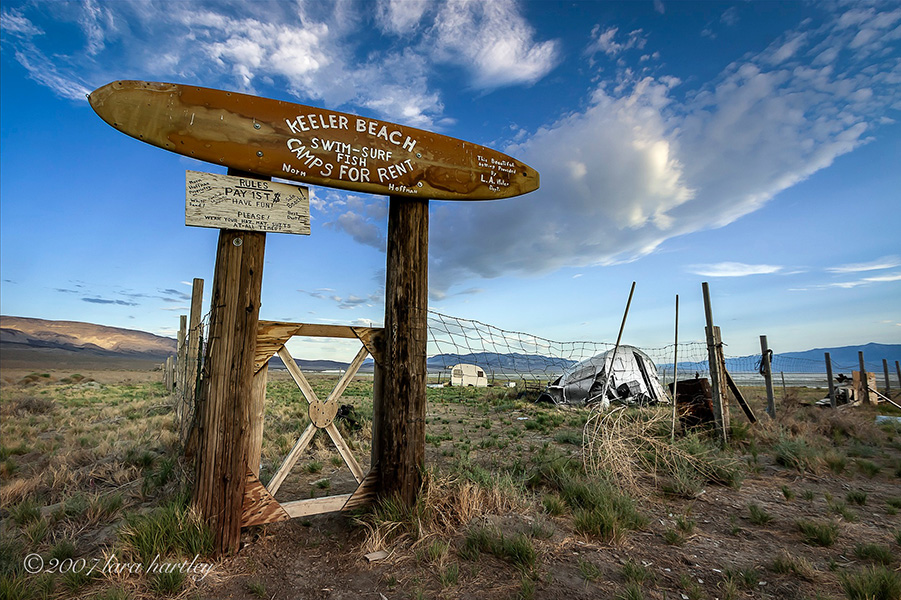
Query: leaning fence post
[[767, 377], [898, 368], [888, 384], [829, 377], [713, 364], [864, 383]]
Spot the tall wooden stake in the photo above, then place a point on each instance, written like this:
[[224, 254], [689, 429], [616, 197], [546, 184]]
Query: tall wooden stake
[[675, 370], [831, 383], [767, 377], [864, 380], [888, 384], [225, 411], [713, 362], [401, 423]]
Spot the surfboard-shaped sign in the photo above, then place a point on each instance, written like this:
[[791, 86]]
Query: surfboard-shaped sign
[[311, 145]]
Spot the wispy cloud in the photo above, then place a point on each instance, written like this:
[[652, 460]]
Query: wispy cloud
[[865, 281], [886, 262], [110, 301], [732, 269]]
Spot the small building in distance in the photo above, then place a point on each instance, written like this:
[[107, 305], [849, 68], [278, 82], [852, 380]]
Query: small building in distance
[[464, 375]]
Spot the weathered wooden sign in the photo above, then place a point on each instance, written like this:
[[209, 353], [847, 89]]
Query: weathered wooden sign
[[245, 204], [312, 145]]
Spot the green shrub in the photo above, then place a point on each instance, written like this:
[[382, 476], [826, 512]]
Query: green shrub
[[874, 583], [874, 552], [819, 533], [758, 515]]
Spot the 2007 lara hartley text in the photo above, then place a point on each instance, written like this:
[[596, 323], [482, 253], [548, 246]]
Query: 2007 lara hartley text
[[34, 563]]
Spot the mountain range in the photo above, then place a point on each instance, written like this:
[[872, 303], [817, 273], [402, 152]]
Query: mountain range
[[25, 340]]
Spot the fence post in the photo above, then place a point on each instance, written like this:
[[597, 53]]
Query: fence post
[[888, 384], [898, 368], [767, 377], [864, 384], [180, 358], [831, 384], [195, 338], [713, 364]]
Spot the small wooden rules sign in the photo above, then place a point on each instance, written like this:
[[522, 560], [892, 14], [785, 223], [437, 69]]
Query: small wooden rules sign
[[245, 204]]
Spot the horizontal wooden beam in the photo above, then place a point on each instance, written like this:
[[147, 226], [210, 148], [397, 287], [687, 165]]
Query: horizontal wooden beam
[[315, 506], [272, 335]]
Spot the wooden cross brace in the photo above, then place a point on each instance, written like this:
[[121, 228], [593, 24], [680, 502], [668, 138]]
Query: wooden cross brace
[[322, 416]]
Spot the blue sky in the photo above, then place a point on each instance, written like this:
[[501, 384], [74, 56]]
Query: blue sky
[[753, 145]]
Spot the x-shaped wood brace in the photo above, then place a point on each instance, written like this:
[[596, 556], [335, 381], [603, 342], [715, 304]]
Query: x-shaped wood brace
[[322, 415]]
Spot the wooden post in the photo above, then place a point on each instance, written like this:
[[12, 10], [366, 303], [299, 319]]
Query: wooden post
[[195, 338], [170, 373], [223, 443], [898, 369], [864, 388], [767, 377], [713, 363], [724, 377], [784, 390], [831, 384], [675, 370], [400, 445], [888, 384], [180, 360]]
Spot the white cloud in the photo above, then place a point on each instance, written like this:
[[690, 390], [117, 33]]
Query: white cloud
[[865, 281], [649, 160], [733, 269], [886, 262], [400, 16], [492, 40], [605, 41]]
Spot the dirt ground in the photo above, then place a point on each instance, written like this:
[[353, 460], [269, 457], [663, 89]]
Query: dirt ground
[[720, 541]]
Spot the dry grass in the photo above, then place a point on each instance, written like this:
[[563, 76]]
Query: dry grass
[[633, 449]]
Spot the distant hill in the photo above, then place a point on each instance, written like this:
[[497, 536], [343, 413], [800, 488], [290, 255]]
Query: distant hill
[[26, 342]]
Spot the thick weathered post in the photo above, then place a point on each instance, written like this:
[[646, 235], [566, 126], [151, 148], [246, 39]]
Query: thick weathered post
[[831, 383], [713, 363], [888, 384], [864, 384], [767, 377], [401, 422], [225, 419]]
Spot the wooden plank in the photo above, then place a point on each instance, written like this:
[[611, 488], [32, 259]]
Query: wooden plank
[[245, 204], [344, 451], [348, 376], [299, 446], [307, 144], [221, 461], [259, 505], [741, 399], [366, 492], [315, 506], [272, 335], [298, 376]]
